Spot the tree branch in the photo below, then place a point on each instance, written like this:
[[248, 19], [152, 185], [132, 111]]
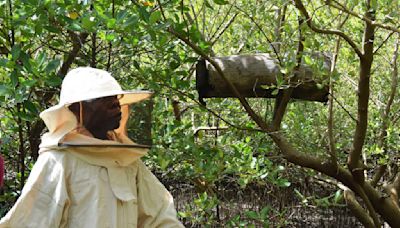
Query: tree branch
[[242, 100], [284, 97], [331, 138], [93, 61], [222, 22], [215, 38], [354, 159], [77, 43], [383, 42], [299, 5], [263, 33], [357, 209], [368, 20], [393, 91], [378, 175]]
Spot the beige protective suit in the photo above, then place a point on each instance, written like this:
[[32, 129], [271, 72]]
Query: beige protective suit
[[80, 181]]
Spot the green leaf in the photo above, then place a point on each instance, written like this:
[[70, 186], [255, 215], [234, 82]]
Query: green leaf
[[307, 60], [15, 52], [111, 23], [3, 62], [195, 34], [41, 58], [264, 212], [121, 15], [154, 17], [88, 22], [283, 183], [251, 214], [3, 90], [133, 20], [30, 107], [25, 61], [374, 5], [338, 196], [136, 64], [53, 81], [53, 64], [110, 37], [75, 27], [50, 29], [25, 116], [29, 83], [221, 2], [208, 4], [144, 14], [14, 78]]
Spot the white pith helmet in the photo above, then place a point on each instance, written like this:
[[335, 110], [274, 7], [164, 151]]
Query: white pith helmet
[[85, 83]]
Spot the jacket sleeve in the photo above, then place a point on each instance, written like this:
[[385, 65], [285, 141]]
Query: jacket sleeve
[[155, 203], [43, 199]]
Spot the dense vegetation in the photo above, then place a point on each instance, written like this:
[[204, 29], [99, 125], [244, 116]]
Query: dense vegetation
[[349, 143]]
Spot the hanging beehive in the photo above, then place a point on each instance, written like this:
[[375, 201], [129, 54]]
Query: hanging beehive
[[255, 76]]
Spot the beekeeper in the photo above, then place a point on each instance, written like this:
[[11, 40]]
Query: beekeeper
[[89, 173]]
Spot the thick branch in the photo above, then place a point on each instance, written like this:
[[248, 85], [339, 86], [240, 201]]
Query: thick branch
[[354, 161], [378, 175], [284, 96], [331, 138], [77, 43], [383, 205], [357, 209], [300, 6], [396, 183]]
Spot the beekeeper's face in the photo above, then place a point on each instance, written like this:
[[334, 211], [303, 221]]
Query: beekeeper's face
[[102, 113]]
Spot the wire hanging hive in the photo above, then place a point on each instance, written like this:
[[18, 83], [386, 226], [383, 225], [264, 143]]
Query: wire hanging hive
[[255, 76]]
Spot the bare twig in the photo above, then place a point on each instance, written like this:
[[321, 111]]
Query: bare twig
[[110, 46], [344, 109], [280, 18], [222, 22], [195, 14], [383, 42], [264, 34], [22, 152], [12, 30], [367, 19], [214, 39], [393, 91], [94, 51]]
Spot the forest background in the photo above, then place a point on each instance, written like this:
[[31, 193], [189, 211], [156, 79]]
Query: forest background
[[236, 161]]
